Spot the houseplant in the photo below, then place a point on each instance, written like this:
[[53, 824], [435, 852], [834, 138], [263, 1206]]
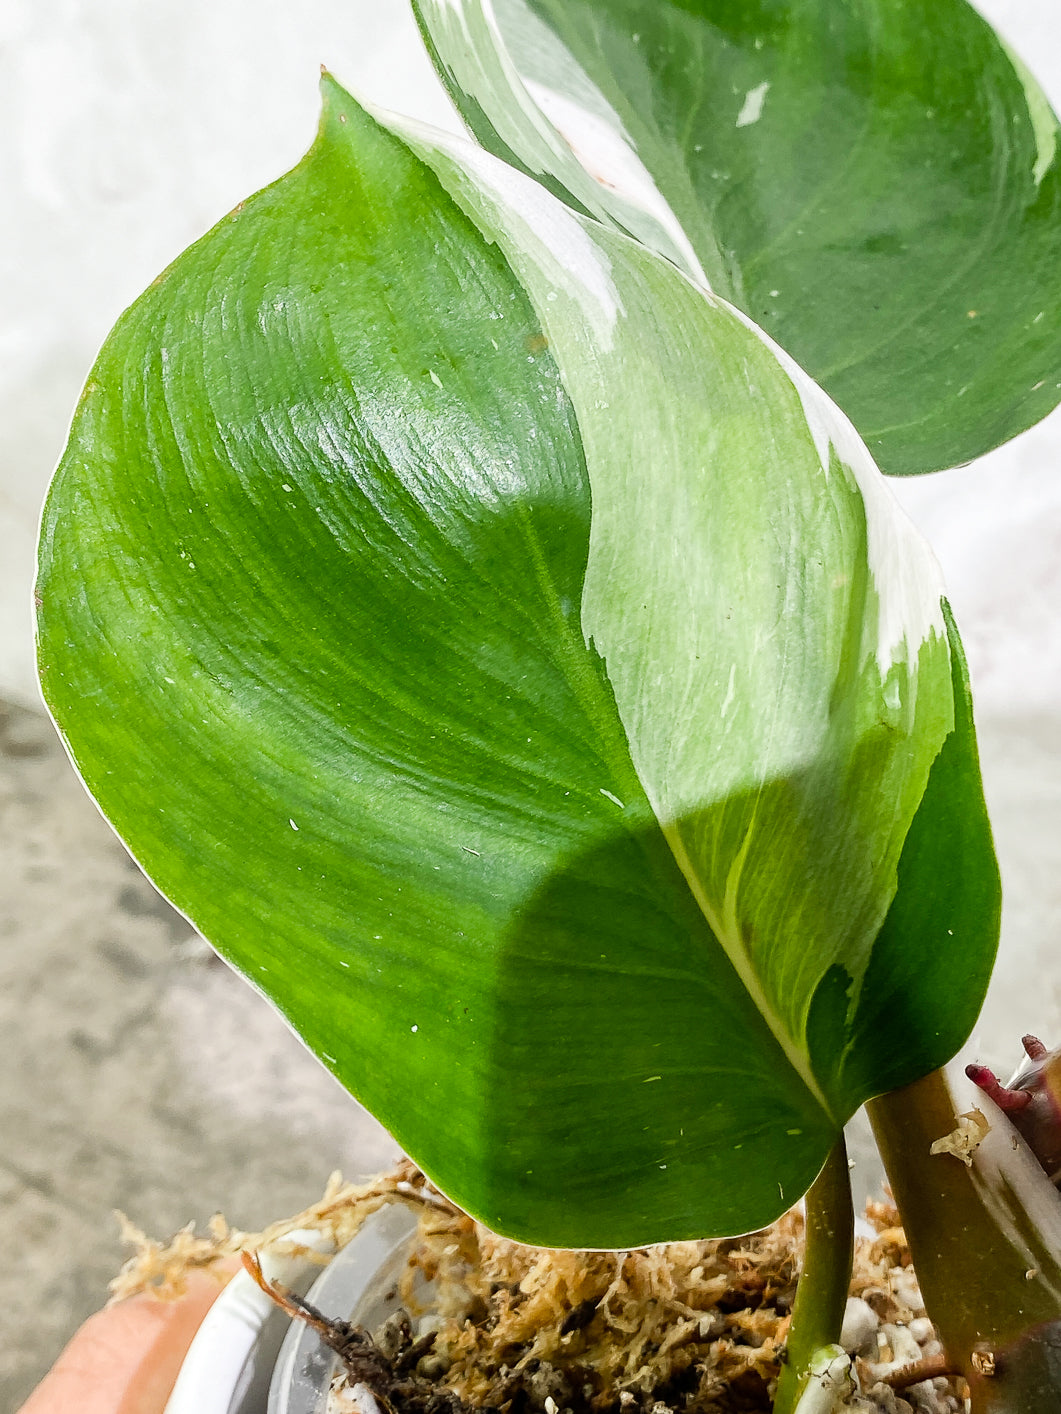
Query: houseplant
[[511, 659]]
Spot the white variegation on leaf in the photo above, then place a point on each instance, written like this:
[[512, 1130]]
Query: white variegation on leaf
[[769, 618], [552, 117], [876, 185]]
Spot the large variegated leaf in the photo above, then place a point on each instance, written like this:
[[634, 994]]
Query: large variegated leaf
[[875, 182], [518, 669]]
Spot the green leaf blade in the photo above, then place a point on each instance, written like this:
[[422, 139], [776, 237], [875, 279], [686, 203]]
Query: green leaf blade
[[364, 780], [932, 959], [346, 621], [877, 186]]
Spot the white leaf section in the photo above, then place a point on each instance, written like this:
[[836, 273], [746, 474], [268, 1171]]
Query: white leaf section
[[906, 573], [606, 152], [1044, 124], [543, 228], [548, 111]]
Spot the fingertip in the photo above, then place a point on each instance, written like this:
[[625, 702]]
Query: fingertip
[[125, 1359]]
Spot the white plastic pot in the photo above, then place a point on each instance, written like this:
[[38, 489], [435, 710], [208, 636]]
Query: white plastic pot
[[360, 1283], [248, 1357]]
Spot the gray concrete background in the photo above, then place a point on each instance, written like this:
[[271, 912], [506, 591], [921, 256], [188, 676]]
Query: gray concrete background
[[137, 1071]]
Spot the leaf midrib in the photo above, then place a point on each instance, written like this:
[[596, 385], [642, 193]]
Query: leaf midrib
[[587, 692]]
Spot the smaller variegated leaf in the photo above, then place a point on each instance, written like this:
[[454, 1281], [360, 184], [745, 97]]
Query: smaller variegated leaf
[[876, 183]]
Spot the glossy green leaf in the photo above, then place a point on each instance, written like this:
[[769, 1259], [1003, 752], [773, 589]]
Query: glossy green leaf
[[875, 183], [517, 668]]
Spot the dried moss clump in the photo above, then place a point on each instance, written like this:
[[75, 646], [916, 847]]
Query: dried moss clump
[[686, 1328], [527, 1329]]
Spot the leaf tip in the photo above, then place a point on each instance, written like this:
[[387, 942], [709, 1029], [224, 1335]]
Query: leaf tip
[[334, 98]]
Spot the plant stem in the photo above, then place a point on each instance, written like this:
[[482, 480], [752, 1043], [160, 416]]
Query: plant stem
[[986, 1244], [821, 1294]]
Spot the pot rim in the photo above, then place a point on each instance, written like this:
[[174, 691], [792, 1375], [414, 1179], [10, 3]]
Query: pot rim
[[228, 1364]]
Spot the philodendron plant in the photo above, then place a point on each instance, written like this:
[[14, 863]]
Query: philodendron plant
[[470, 591]]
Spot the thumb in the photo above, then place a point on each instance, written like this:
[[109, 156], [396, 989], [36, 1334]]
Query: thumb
[[125, 1359]]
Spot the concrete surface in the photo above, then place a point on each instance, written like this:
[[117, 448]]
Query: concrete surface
[[137, 1071]]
